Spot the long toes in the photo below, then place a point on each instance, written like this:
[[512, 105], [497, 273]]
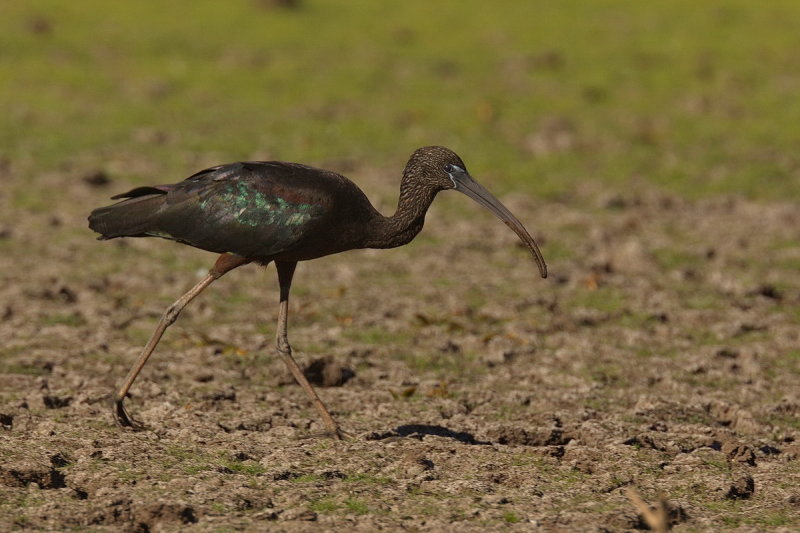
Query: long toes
[[123, 419], [341, 434]]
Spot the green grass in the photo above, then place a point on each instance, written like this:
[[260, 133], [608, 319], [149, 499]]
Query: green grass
[[24, 369], [187, 460], [607, 299], [68, 319], [666, 91], [368, 479], [356, 506], [324, 505], [444, 366], [250, 469], [789, 362], [126, 475], [672, 259], [735, 513], [307, 478], [376, 335]]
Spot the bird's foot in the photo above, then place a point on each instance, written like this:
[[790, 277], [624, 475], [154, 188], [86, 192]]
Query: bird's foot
[[340, 434], [123, 419]]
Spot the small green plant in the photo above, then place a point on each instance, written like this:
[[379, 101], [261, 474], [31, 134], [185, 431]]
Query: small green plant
[[356, 506], [324, 505], [307, 478], [247, 468], [220, 508]]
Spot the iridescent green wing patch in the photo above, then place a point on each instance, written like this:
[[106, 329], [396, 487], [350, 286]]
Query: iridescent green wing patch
[[251, 207]]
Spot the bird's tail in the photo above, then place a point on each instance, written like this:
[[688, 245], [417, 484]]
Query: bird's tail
[[135, 216]]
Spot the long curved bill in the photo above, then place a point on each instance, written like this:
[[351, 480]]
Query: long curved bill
[[465, 184]]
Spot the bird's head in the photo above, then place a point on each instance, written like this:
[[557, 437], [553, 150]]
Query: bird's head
[[436, 168], [433, 167]]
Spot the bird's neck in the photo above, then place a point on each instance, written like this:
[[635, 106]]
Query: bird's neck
[[407, 221]]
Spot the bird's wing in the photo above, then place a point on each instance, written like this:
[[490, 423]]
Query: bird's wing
[[253, 209], [144, 191]]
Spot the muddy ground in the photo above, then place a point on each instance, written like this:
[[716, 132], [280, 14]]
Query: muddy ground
[[662, 354]]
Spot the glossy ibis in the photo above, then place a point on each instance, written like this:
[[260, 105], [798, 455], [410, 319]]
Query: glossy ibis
[[272, 211]]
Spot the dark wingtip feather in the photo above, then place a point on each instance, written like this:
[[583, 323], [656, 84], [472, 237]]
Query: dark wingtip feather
[[143, 191], [132, 217]]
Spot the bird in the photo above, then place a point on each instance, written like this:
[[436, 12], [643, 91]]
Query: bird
[[279, 212]]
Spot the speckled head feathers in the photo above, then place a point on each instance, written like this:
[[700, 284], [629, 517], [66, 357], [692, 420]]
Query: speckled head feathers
[[427, 165]]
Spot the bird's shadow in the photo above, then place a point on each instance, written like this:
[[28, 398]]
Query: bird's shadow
[[419, 431]]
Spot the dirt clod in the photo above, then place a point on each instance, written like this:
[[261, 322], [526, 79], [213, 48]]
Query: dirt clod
[[528, 437], [149, 515], [22, 475], [305, 516], [97, 178], [56, 402], [740, 453], [742, 488], [327, 372]]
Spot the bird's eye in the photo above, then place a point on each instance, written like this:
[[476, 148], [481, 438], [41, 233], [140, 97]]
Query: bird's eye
[[449, 168]]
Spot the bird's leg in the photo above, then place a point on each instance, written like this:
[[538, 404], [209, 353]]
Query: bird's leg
[[225, 263], [285, 274]]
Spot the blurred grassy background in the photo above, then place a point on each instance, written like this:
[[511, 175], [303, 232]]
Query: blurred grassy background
[[699, 98]]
